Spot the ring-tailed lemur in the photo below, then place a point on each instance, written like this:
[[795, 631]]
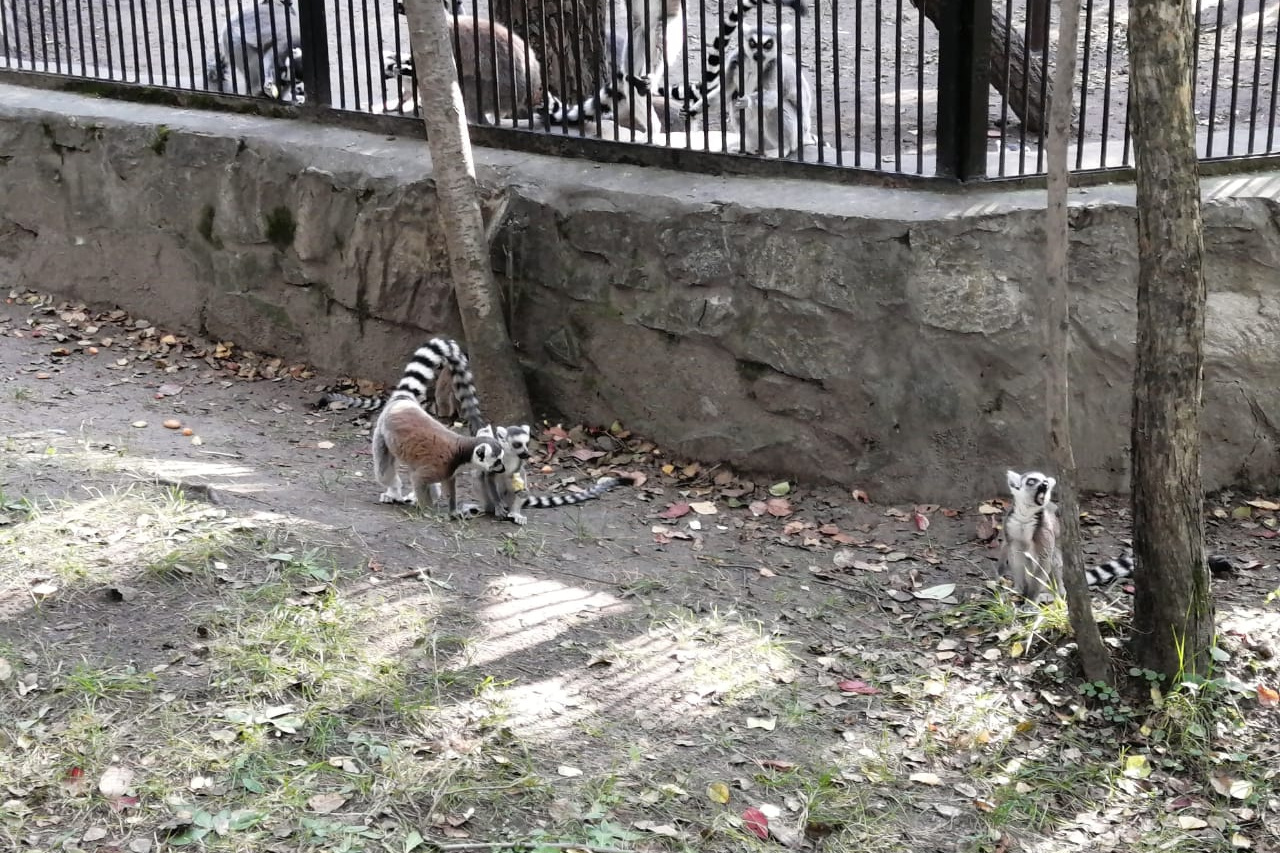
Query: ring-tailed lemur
[[260, 53], [759, 104], [511, 92], [721, 48], [647, 82], [1030, 551], [432, 452]]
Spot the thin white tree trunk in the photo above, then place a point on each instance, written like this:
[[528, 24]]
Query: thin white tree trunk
[[1094, 659], [492, 355]]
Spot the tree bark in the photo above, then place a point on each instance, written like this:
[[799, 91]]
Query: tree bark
[[493, 357], [1094, 659], [1008, 48], [569, 37], [1173, 618]]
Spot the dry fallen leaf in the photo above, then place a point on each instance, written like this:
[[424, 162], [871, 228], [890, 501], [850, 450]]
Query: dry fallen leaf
[[718, 792], [778, 507], [925, 778], [566, 770], [703, 507], [766, 723], [936, 593], [757, 823], [860, 496], [1238, 789], [1267, 697], [326, 803], [677, 510], [854, 685]]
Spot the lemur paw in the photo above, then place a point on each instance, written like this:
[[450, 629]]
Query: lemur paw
[[389, 497], [396, 66], [742, 103], [519, 518]]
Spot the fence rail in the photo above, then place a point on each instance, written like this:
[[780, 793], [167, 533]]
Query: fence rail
[[954, 88]]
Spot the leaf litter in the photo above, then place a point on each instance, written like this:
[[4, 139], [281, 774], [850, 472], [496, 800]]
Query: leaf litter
[[893, 653]]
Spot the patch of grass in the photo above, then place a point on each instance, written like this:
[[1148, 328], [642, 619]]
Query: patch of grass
[[161, 139], [280, 227], [89, 683]]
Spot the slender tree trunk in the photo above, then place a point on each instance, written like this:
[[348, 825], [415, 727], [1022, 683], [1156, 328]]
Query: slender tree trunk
[[1094, 659], [1172, 608], [479, 301], [1008, 56]]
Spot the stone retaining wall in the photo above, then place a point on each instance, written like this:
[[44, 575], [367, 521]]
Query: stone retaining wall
[[888, 339]]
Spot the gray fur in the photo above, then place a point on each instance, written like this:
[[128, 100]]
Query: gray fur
[[260, 53], [1030, 554]]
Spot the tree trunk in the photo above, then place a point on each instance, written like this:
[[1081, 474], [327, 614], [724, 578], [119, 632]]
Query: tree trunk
[[493, 357], [568, 35], [1008, 48], [1172, 608], [1094, 659]]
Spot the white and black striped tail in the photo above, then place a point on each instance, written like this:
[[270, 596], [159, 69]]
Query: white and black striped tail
[[1122, 567], [350, 401], [1112, 570], [602, 485], [428, 360]]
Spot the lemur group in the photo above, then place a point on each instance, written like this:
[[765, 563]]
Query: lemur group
[[750, 75], [407, 435]]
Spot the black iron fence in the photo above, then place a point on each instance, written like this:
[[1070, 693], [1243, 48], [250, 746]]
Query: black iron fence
[[956, 88]]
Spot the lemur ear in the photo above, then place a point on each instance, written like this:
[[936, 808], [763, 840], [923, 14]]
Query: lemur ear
[[786, 34], [1014, 479]]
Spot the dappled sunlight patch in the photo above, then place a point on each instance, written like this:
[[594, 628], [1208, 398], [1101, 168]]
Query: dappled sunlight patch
[[698, 664], [527, 611], [230, 477]]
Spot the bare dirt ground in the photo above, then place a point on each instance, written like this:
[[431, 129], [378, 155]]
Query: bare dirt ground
[[223, 640]]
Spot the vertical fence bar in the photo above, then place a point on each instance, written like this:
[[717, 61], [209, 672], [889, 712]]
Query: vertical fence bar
[[964, 52], [204, 53], [84, 69], [120, 52], [1041, 37], [1275, 84], [1213, 80], [1026, 96], [1106, 78], [191, 53], [1008, 73], [1257, 74], [314, 39], [1235, 77], [819, 132], [879, 64], [920, 43], [897, 88]]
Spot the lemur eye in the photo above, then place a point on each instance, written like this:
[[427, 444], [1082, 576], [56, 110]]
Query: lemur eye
[[768, 44]]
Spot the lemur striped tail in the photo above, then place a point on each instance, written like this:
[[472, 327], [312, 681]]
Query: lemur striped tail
[[1122, 567], [351, 401], [1112, 570], [602, 485], [419, 379]]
